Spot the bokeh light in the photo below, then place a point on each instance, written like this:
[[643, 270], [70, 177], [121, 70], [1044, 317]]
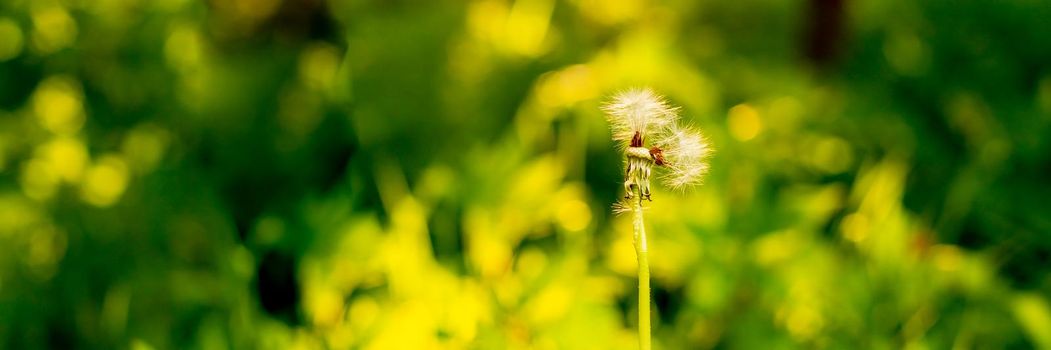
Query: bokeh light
[[11, 39]]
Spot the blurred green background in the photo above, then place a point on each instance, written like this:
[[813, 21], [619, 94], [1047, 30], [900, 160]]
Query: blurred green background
[[301, 174]]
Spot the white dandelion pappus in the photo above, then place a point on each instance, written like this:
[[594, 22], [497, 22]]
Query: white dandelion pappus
[[686, 155], [621, 207], [637, 111]]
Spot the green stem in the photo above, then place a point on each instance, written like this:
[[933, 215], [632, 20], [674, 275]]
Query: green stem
[[642, 252]]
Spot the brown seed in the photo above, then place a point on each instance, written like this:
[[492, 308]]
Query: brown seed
[[636, 141], [657, 154]]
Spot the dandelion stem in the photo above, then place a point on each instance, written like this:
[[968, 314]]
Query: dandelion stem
[[642, 252]]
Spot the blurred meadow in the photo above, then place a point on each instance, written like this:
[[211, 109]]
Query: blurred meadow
[[302, 174]]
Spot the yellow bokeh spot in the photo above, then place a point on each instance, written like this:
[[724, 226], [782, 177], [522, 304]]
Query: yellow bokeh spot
[[531, 263], [704, 207], [241, 17], [567, 86], [318, 66], [776, 247], [640, 55], [408, 325], [1043, 95], [302, 340], [144, 146], [485, 19], [39, 180], [183, 48], [105, 182], [804, 322], [47, 246], [610, 12], [544, 172], [855, 227], [466, 309], [550, 304], [11, 41], [268, 230], [66, 156], [622, 255], [527, 26], [832, 155], [437, 181], [251, 10], [17, 214], [58, 104], [363, 313], [574, 215], [785, 111], [905, 52], [490, 255], [744, 123], [1034, 315], [325, 306], [114, 313], [520, 29], [947, 258], [54, 29], [139, 344], [299, 110]]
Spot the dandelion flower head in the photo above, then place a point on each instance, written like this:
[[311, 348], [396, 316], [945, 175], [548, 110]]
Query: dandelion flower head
[[638, 111], [640, 115]]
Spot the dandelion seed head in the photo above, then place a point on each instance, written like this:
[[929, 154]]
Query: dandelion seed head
[[638, 111], [679, 153], [686, 155]]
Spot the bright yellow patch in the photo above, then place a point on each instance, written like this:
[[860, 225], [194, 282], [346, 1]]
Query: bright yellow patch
[[105, 182], [744, 123]]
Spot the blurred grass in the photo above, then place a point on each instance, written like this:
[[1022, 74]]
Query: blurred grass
[[418, 175]]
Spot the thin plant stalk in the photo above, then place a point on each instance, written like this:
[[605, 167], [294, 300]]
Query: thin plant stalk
[[642, 253]]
